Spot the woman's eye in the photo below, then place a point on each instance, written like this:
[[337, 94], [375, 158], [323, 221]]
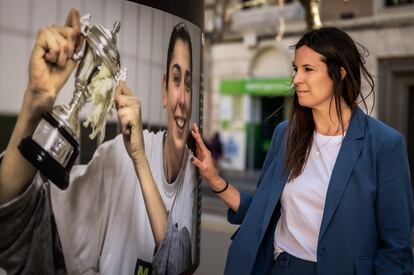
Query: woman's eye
[[188, 84], [308, 69], [177, 79]]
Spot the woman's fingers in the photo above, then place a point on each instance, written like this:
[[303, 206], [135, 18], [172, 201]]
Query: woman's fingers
[[198, 163], [71, 38], [205, 166], [129, 109], [49, 46], [123, 89], [73, 19], [55, 47], [199, 141], [203, 161], [126, 119], [122, 101], [124, 97], [73, 22], [63, 50], [129, 116]]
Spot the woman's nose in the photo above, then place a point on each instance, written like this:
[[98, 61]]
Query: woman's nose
[[182, 95], [297, 79]]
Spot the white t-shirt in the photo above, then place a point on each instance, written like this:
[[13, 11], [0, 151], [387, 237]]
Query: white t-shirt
[[303, 201], [101, 218]]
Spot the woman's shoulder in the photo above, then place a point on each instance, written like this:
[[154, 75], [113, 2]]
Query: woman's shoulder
[[380, 130], [280, 128], [279, 133], [381, 135], [282, 125]]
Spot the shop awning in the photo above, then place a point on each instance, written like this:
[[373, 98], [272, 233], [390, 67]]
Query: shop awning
[[281, 86]]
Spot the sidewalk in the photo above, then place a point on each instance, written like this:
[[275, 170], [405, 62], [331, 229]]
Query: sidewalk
[[215, 230]]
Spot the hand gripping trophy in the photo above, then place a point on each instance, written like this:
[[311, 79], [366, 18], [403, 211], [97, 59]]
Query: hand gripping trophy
[[54, 145]]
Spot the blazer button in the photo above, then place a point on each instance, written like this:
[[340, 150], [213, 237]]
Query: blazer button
[[322, 252]]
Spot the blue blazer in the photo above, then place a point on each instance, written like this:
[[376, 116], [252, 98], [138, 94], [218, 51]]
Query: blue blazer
[[367, 220]]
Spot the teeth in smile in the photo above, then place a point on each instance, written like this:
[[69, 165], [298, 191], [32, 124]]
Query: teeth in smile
[[180, 122]]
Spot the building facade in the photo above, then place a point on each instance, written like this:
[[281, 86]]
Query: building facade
[[253, 45]]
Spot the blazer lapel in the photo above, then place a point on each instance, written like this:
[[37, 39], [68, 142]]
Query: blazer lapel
[[278, 182], [348, 155]]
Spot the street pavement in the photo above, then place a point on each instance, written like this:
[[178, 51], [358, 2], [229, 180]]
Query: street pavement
[[215, 230]]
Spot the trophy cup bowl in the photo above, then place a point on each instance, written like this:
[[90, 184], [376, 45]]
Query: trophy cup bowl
[[54, 145]]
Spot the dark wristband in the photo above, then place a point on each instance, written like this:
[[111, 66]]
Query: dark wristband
[[224, 189]]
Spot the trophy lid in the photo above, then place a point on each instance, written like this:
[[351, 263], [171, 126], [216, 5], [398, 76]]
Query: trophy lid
[[103, 42]]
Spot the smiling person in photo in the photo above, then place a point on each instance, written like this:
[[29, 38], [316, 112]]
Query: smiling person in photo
[[132, 208]]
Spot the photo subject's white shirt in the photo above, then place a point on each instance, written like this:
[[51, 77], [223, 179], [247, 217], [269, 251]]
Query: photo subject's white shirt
[[101, 218]]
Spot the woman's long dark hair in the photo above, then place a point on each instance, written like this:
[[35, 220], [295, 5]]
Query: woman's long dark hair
[[338, 51]]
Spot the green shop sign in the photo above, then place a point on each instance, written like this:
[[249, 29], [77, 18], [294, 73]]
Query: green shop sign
[[281, 86]]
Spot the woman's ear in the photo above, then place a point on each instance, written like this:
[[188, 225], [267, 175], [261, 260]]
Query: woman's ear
[[343, 73]]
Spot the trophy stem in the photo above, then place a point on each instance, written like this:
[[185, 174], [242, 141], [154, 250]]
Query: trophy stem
[[68, 114], [77, 101]]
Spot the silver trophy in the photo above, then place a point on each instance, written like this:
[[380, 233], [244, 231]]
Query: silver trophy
[[54, 145]]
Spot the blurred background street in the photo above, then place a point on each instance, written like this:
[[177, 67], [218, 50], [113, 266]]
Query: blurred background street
[[215, 230]]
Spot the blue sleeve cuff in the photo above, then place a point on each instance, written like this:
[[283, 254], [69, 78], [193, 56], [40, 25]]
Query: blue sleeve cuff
[[238, 217]]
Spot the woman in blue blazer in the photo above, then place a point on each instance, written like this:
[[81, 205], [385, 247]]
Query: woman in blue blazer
[[334, 196]]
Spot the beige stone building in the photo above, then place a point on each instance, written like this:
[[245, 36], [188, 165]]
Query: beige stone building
[[250, 47]]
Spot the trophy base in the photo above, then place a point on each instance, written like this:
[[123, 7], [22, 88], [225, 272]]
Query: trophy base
[[44, 162], [51, 149]]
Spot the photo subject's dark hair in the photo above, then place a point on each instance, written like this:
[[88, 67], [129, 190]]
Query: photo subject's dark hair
[[338, 51]]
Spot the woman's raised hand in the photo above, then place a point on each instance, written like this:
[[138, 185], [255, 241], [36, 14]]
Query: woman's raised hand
[[129, 116], [203, 159], [51, 62]]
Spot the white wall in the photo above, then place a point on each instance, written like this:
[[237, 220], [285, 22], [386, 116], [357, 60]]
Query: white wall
[[384, 43]]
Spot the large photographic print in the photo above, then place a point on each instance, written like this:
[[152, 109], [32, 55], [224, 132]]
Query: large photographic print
[[167, 49]]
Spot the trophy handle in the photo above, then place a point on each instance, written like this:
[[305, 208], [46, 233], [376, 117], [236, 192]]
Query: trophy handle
[[85, 23], [121, 75], [78, 55]]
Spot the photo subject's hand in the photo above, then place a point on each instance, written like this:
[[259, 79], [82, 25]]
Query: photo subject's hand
[[129, 116], [50, 66], [203, 159], [51, 62]]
